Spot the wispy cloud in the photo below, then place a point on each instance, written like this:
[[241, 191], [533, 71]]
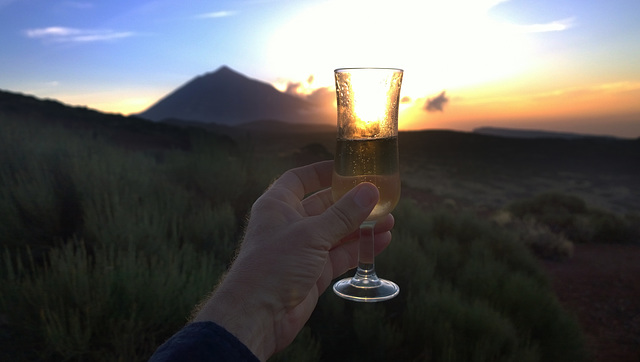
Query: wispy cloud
[[614, 88], [60, 34], [216, 14], [557, 25]]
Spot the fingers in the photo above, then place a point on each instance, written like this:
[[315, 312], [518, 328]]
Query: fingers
[[346, 215], [306, 179], [317, 203], [384, 224]]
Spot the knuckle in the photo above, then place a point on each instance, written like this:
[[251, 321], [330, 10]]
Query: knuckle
[[342, 219]]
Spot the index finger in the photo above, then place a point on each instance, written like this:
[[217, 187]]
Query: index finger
[[306, 179]]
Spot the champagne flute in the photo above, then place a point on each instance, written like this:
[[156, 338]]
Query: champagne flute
[[367, 151]]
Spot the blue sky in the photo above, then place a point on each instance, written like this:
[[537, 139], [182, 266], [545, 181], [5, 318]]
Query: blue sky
[[558, 65]]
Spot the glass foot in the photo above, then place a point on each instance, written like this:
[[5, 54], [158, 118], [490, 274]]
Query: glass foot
[[367, 290]]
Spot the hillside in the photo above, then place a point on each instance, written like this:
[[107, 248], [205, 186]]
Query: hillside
[[132, 132]]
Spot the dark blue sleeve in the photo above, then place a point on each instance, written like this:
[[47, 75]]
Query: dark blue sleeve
[[203, 341]]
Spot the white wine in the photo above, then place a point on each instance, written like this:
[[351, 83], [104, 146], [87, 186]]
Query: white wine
[[368, 160]]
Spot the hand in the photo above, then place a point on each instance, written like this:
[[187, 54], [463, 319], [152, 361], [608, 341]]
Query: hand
[[293, 247]]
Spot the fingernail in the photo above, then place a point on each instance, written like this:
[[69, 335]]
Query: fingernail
[[365, 197]]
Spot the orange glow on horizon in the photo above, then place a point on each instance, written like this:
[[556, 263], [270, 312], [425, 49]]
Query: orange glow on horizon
[[562, 109]]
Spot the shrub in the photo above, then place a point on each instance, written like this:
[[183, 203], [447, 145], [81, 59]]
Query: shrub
[[570, 217], [39, 203], [555, 210], [112, 304], [611, 228], [536, 236]]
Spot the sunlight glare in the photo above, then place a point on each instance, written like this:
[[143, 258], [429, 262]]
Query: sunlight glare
[[369, 104], [440, 45]]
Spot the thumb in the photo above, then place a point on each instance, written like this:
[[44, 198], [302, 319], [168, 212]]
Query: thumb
[[346, 214]]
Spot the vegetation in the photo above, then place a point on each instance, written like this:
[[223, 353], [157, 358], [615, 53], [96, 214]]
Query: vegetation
[[468, 293], [108, 244], [572, 217], [105, 250]]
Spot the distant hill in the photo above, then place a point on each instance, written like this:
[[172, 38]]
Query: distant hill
[[227, 97], [526, 133], [129, 131]]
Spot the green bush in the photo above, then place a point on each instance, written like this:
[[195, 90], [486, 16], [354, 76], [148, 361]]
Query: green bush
[[114, 304], [570, 217], [557, 211], [38, 202], [539, 238]]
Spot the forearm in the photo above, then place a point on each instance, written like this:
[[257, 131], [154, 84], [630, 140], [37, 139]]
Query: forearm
[[242, 314]]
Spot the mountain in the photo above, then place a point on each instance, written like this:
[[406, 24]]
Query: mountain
[[229, 98]]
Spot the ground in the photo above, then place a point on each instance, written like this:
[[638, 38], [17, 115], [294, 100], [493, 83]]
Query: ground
[[600, 285]]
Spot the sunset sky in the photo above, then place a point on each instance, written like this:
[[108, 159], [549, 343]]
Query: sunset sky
[[561, 65]]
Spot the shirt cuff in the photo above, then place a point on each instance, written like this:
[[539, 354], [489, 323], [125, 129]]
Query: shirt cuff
[[203, 341]]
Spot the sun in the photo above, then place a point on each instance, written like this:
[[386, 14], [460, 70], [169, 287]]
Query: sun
[[440, 45]]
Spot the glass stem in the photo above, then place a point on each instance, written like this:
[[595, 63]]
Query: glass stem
[[366, 273]]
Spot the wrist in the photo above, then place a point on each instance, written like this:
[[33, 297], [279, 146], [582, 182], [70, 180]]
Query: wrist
[[242, 314]]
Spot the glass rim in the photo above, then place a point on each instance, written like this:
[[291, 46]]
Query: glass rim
[[349, 69]]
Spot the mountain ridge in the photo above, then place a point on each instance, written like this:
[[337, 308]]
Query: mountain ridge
[[21, 105], [228, 97]]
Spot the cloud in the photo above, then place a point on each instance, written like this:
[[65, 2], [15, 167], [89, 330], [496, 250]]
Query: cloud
[[597, 90], [557, 25], [323, 96], [294, 88], [217, 14], [61, 34], [437, 103], [300, 89], [52, 31]]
